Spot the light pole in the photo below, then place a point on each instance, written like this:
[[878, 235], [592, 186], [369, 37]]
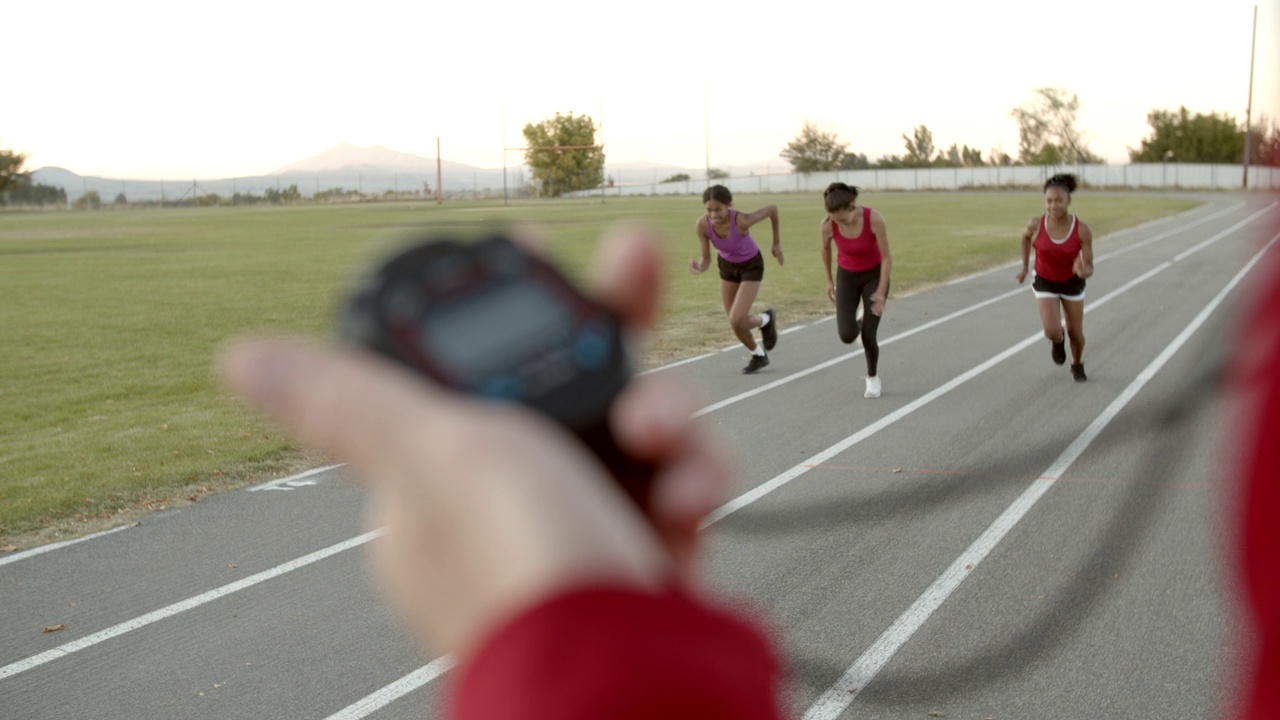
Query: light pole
[[1248, 123]]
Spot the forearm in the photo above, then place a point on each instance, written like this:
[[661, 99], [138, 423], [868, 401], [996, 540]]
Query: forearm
[[609, 646], [882, 289], [1026, 253]]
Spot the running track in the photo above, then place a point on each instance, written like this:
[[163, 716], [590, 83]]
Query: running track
[[986, 540]]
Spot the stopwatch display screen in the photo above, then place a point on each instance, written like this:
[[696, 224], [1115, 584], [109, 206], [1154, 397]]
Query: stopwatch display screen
[[478, 334]]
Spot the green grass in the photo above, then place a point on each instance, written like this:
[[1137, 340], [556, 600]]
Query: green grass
[[109, 320]]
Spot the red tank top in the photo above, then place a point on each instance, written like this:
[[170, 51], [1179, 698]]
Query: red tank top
[[859, 253], [1053, 258]]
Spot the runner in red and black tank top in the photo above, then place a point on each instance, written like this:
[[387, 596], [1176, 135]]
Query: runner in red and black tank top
[[1064, 258], [862, 276]]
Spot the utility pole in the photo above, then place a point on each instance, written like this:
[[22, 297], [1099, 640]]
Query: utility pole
[[706, 130], [1248, 112], [439, 175]]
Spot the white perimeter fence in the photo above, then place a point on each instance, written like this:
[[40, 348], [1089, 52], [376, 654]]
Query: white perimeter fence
[[1135, 176]]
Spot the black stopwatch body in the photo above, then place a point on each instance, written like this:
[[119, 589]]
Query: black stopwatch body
[[491, 320]]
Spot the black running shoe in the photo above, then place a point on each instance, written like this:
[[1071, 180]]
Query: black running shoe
[[1059, 352], [770, 332], [757, 362], [1077, 372]]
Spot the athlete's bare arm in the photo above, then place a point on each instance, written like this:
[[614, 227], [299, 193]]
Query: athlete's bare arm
[[824, 228], [746, 220], [697, 266]]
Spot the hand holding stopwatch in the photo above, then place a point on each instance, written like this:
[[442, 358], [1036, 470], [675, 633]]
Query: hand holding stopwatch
[[489, 319]]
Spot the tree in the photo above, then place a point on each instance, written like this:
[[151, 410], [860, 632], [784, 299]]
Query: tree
[[25, 192], [1047, 133], [854, 161], [88, 201], [891, 162], [678, 177], [1180, 135], [1266, 150], [716, 174], [288, 195], [920, 148], [814, 150], [11, 168], [577, 167]]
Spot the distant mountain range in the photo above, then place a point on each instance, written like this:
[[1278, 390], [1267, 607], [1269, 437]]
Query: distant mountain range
[[370, 170]]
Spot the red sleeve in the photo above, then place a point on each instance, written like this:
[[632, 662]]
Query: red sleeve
[[611, 654], [1258, 378]]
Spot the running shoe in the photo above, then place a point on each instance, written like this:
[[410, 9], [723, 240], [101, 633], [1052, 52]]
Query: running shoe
[[757, 362], [1077, 372], [769, 332], [873, 387], [1059, 352]]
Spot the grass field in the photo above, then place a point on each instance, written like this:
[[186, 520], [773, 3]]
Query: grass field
[[109, 320]]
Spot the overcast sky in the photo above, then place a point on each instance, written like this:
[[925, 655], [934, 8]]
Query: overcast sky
[[143, 89]]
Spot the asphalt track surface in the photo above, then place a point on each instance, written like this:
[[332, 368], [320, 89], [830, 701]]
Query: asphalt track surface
[[988, 539]]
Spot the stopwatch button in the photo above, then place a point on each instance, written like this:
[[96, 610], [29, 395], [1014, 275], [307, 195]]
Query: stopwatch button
[[591, 349]]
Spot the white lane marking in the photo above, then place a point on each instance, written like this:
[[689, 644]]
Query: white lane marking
[[842, 694], [182, 606], [1205, 243], [372, 703], [294, 480], [54, 546], [1169, 233]]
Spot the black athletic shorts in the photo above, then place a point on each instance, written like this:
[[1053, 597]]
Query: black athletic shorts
[[1072, 289], [750, 271]]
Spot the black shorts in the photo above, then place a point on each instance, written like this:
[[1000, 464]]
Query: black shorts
[[750, 271], [1072, 289]]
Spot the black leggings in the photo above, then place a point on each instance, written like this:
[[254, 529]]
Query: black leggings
[[850, 288]]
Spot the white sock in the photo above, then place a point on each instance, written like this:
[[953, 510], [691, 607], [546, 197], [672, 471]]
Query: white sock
[[759, 350], [764, 319]]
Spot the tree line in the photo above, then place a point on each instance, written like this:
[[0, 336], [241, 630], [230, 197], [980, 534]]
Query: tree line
[[1047, 135]]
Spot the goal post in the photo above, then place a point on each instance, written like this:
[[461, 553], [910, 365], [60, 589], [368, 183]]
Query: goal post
[[556, 148]]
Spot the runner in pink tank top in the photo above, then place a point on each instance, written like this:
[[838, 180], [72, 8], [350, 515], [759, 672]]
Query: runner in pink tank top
[[1064, 258], [741, 268]]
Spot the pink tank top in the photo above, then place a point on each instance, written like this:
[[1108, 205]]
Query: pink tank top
[[859, 253]]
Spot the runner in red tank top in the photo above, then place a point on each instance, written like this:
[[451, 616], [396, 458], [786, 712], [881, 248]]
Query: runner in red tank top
[[1064, 258], [862, 242]]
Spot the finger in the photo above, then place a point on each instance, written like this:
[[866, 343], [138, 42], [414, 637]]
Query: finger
[[685, 493], [341, 400], [628, 276], [530, 237], [652, 418]]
